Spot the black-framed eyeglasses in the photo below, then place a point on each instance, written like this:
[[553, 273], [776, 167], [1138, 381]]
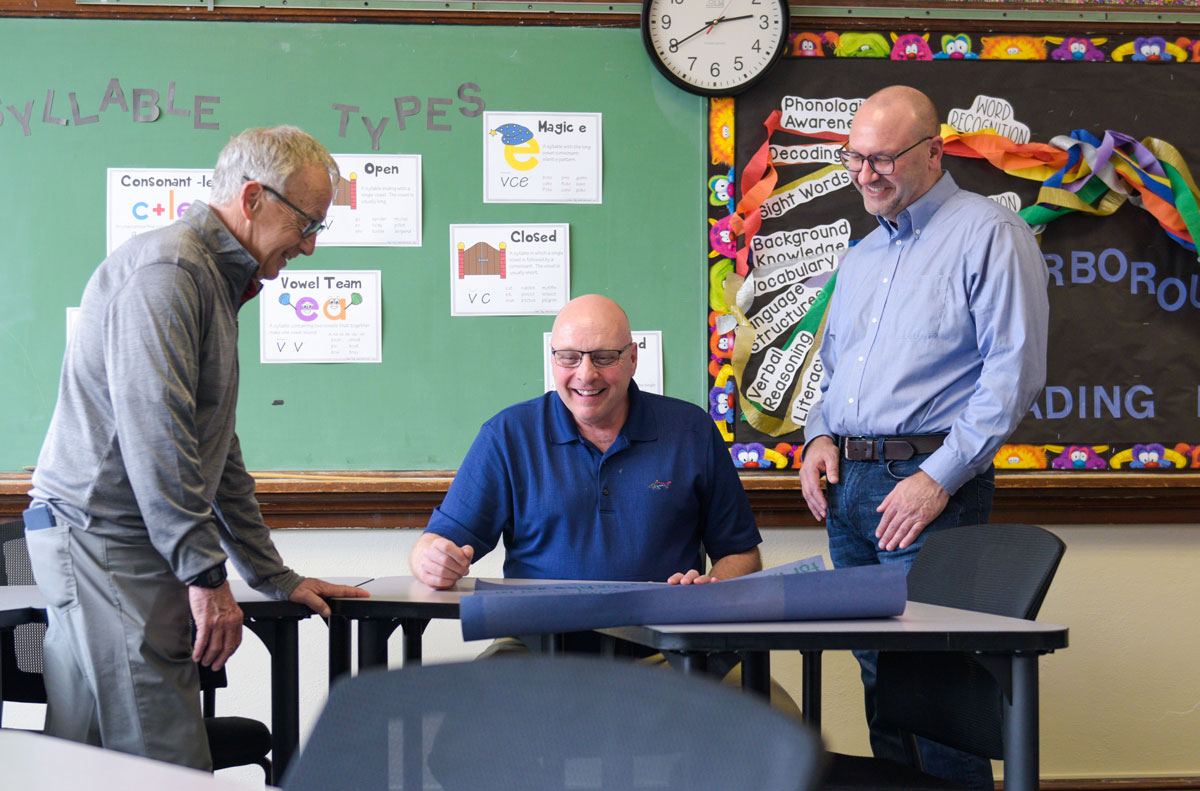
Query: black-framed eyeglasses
[[601, 358], [883, 164], [312, 226]]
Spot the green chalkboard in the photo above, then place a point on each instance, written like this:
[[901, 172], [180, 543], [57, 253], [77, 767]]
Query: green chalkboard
[[441, 376]]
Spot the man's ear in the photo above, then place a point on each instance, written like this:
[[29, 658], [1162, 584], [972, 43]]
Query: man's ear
[[633, 357], [250, 199]]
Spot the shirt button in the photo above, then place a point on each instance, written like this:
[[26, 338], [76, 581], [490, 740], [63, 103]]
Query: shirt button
[[885, 280], [605, 491], [851, 400], [874, 319], [860, 359]]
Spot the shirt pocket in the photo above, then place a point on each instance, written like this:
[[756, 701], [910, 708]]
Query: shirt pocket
[[918, 306]]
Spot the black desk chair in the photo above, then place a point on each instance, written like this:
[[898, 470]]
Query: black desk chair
[[21, 646], [533, 723], [233, 741], [952, 698]]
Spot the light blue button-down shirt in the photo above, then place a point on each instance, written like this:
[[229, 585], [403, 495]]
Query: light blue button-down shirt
[[937, 325]]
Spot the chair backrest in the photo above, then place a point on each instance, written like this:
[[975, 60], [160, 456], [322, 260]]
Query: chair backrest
[[20, 647], [1000, 569], [542, 723], [952, 698]]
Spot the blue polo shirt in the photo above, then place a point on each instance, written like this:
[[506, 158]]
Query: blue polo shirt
[[639, 511]]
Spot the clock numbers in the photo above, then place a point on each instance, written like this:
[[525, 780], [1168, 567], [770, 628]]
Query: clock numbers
[[714, 47]]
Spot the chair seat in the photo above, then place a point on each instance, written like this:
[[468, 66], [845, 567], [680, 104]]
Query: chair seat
[[850, 772], [236, 741]]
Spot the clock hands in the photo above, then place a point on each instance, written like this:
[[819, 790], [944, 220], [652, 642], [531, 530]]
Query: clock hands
[[708, 26]]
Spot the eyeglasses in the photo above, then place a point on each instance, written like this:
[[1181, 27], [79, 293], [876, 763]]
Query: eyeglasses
[[883, 164], [312, 226], [601, 358]]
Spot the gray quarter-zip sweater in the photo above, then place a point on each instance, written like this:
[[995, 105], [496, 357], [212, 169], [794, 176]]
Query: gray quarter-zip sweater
[[142, 438]]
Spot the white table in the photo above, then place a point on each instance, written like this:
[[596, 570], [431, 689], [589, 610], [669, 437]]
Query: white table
[[33, 761]]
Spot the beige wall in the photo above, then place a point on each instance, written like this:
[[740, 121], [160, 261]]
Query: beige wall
[[1122, 701]]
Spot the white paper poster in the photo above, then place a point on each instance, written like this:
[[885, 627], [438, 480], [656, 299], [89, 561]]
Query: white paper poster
[[378, 202], [321, 316], [542, 158], [649, 368], [509, 270], [142, 199]]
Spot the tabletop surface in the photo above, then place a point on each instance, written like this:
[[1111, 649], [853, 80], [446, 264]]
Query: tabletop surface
[[31, 760], [922, 627]]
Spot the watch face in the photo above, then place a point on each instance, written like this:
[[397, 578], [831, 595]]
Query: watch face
[[714, 47]]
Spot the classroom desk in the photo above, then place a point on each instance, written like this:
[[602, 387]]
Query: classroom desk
[[922, 627], [400, 602], [31, 760], [275, 622]]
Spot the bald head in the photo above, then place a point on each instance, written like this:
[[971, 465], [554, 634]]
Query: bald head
[[902, 107], [592, 314]]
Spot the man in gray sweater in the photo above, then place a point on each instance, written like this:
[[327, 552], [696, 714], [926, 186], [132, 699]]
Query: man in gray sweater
[[140, 494]]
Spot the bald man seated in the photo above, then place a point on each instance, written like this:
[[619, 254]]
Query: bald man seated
[[594, 480]]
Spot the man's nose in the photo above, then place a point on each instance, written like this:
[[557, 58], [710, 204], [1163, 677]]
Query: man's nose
[[308, 244]]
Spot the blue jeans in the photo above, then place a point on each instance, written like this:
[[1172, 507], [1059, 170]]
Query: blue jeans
[[851, 524]]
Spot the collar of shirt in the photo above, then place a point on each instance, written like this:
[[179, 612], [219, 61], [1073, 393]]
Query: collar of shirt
[[640, 425], [233, 261], [918, 214]]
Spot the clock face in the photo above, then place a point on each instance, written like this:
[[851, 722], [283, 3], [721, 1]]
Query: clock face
[[714, 47]]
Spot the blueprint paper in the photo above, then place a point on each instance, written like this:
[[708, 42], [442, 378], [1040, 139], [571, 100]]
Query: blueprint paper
[[863, 592]]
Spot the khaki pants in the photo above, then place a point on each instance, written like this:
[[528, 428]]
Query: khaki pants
[[117, 654]]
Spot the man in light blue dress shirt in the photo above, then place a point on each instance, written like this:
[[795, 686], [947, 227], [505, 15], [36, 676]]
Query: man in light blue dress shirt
[[934, 349]]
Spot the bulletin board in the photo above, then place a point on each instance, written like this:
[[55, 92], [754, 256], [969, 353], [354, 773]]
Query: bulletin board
[[1123, 383]]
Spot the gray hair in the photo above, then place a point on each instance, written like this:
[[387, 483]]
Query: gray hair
[[269, 156]]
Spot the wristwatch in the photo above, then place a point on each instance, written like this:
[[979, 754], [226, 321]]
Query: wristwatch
[[213, 578]]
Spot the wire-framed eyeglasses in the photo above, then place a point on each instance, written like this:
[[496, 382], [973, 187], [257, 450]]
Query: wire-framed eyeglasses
[[312, 225], [601, 358], [883, 164]]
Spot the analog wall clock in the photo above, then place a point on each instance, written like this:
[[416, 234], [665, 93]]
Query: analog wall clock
[[714, 47]]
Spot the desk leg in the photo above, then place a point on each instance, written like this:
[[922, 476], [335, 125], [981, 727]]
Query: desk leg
[[688, 662], [413, 628], [756, 672], [339, 647], [810, 701], [373, 634], [1021, 758], [281, 636]]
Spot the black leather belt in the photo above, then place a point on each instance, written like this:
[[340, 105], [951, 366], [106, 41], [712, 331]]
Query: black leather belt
[[889, 448]]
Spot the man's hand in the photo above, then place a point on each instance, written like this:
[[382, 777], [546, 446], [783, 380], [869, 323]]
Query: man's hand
[[723, 568], [909, 507], [692, 577], [218, 624], [439, 562], [314, 592], [820, 457]]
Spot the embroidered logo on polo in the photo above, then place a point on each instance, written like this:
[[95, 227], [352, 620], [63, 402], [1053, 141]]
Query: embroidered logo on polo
[[659, 486]]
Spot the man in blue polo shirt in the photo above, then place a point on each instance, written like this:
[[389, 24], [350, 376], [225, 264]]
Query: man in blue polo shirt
[[595, 480]]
